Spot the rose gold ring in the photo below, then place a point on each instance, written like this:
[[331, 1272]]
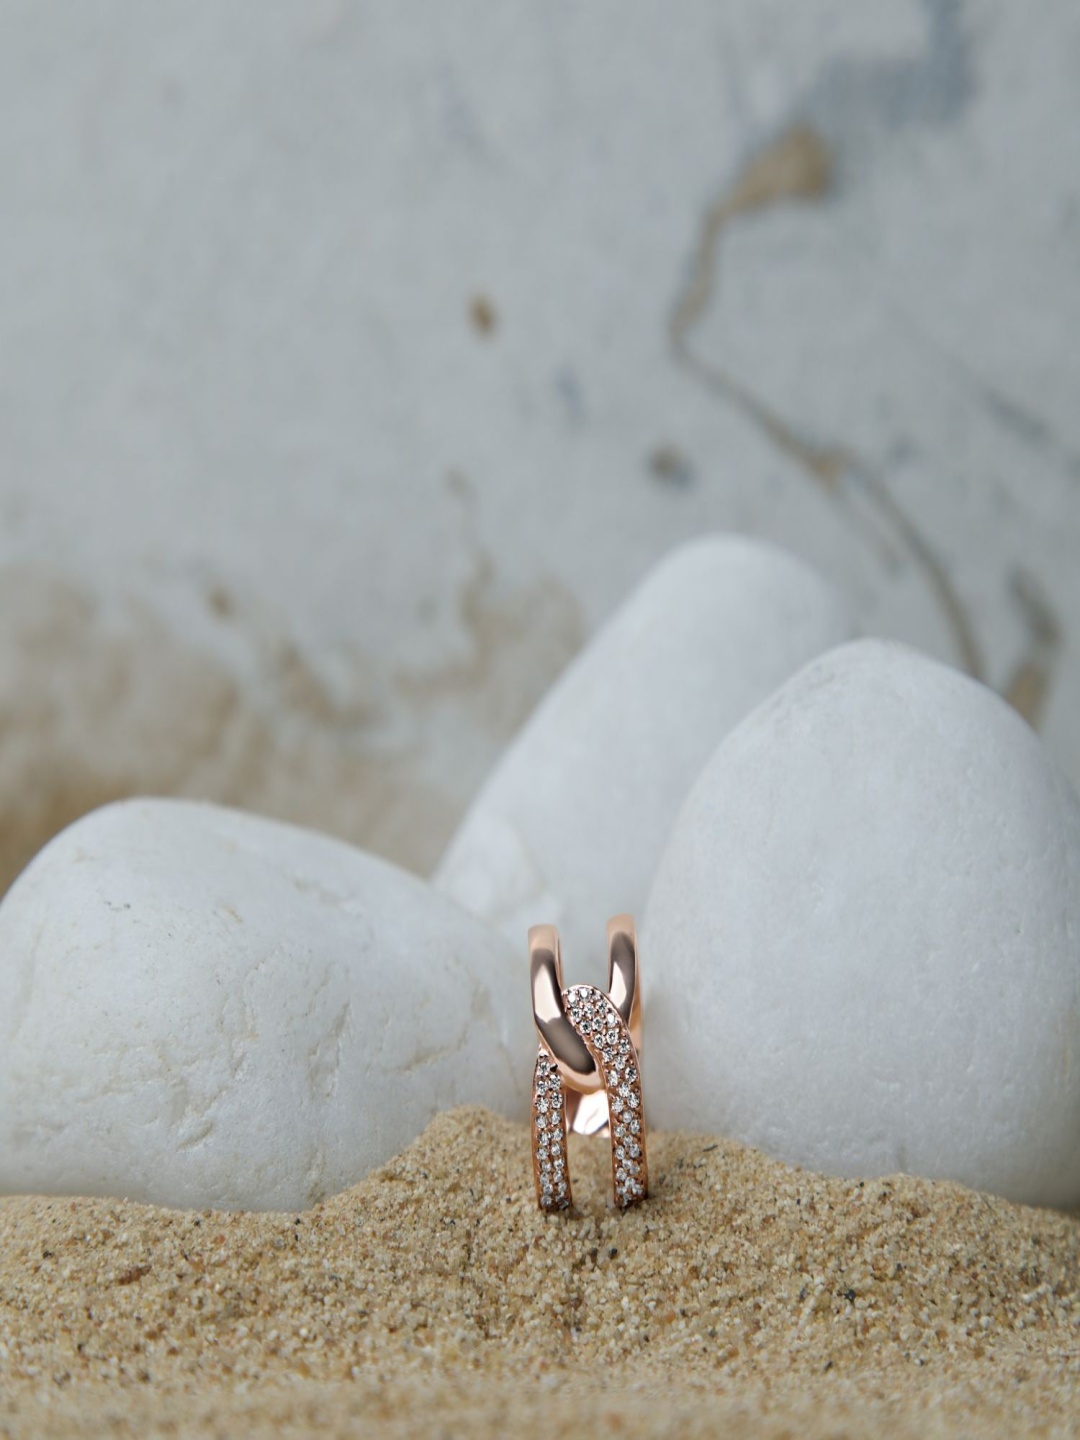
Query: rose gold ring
[[587, 1075]]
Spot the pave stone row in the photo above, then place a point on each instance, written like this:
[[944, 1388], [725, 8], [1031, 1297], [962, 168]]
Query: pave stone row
[[549, 1136], [596, 1019]]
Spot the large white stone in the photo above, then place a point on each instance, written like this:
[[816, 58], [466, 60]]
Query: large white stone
[[198, 1007], [863, 941], [570, 825]]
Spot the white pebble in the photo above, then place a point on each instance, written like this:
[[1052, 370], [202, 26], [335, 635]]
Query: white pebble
[[200, 1007], [571, 823], [863, 942]]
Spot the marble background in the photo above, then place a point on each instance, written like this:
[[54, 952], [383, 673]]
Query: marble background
[[356, 359]]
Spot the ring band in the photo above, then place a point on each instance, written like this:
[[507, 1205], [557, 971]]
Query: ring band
[[588, 1075]]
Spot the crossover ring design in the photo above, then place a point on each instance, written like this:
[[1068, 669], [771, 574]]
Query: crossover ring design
[[588, 1073]]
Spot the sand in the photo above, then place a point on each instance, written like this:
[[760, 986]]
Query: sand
[[745, 1297]]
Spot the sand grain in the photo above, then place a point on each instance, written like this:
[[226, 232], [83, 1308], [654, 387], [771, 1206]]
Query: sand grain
[[433, 1297]]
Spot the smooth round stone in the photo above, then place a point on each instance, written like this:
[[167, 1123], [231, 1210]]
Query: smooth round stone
[[199, 1007], [863, 941], [571, 823]]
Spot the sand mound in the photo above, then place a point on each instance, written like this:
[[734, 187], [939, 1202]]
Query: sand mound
[[434, 1298]]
